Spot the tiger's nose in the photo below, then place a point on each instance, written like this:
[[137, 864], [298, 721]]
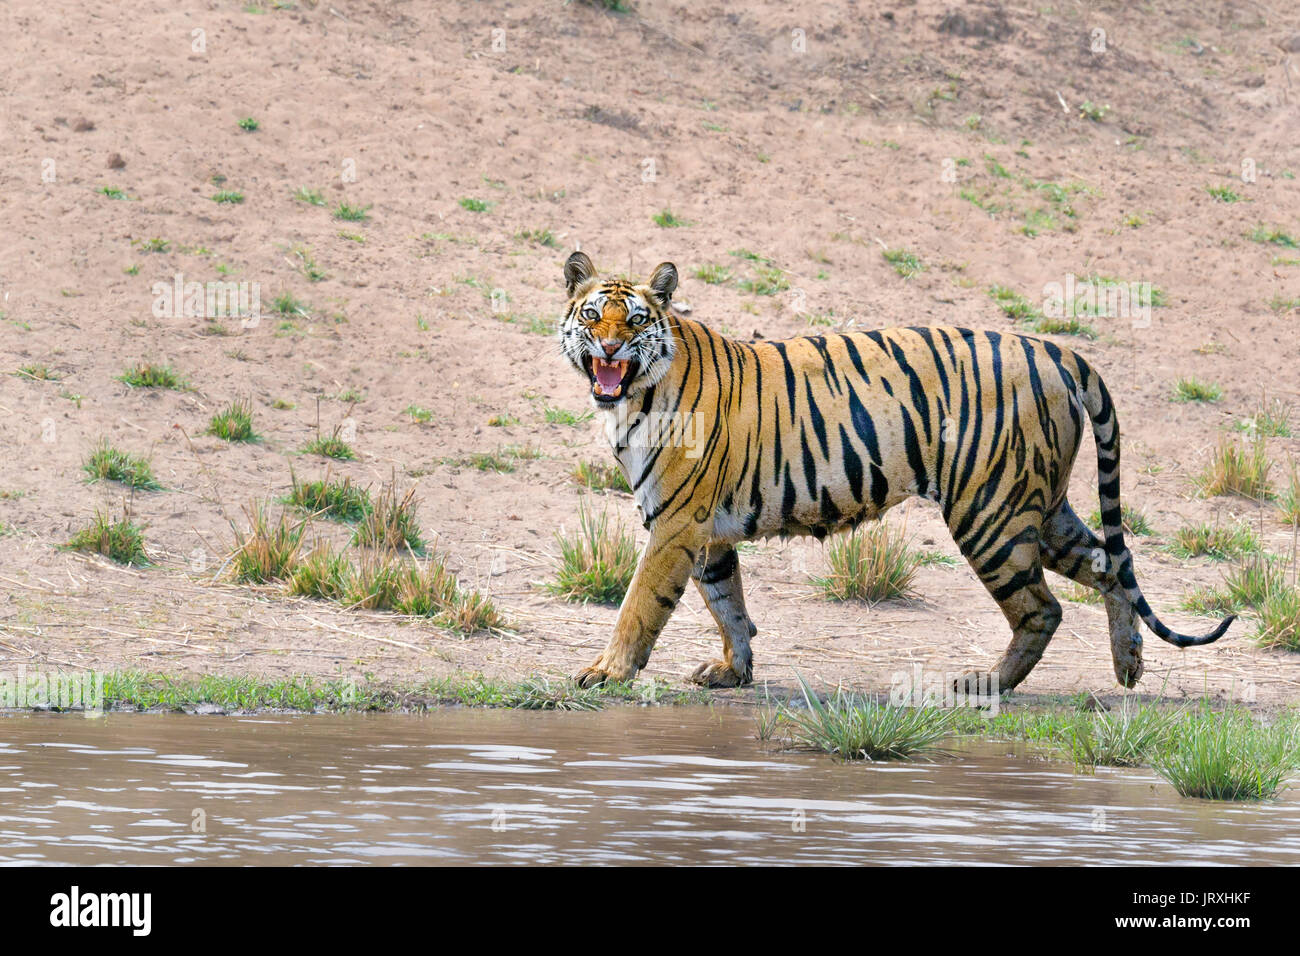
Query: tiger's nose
[[611, 346]]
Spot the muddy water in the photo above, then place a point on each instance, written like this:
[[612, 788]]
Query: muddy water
[[630, 785]]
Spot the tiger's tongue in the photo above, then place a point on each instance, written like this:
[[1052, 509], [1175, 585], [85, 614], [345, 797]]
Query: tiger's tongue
[[609, 374]]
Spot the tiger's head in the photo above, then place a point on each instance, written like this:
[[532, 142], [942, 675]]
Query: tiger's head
[[616, 334]]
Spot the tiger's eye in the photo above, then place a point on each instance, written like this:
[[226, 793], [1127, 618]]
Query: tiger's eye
[[591, 315]]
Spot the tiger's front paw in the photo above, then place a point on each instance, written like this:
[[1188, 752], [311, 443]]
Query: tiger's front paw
[[718, 674], [977, 685], [600, 673]]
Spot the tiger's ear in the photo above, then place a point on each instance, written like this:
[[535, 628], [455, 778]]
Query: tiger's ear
[[663, 282], [578, 268]]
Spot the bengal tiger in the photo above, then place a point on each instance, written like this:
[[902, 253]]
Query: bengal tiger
[[816, 434]]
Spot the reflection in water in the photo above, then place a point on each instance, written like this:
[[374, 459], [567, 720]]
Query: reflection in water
[[637, 785]]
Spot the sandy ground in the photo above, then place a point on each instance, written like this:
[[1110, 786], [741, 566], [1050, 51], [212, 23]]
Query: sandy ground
[[812, 139]]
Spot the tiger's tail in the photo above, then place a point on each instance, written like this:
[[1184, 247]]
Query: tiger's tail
[[1105, 429]]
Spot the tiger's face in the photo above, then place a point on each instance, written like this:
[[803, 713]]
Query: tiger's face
[[616, 334]]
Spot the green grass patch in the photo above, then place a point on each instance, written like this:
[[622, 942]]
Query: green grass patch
[[348, 213], [1230, 756], [905, 263], [149, 375], [667, 220], [598, 477], [338, 499], [853, 728], [869, 564], [391, 523], [1193, 390], [597, 562], [121, 541], [1220, 542], [106, 463], [234, 422]]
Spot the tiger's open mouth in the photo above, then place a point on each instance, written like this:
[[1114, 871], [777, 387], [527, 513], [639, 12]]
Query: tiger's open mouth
[[609, 380]]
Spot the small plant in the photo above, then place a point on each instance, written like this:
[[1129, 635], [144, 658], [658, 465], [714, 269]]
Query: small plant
[[1275, 236], [597, 477], [287, 305], [112, 192], [107, 463], [905, 263], [597, 563], [713, 274], [474, 205], [770, 281], [562, 416], [330, 447], [265, 552], [502, 421], [234, 422], [872, 565], [1013, 304], [1236, 470], [1223, 193], [249, 125], [543, 237], [1134, 521], [419, 414], [228, 196], [1220, 542], [391, 522], [1289, 500], [1279, 616], [148, 375], [864, 729], [338, 499], [121, 541], [313, 197], [1090, 110], [1127, 738], [37, 373], [1272, 419], [667, 220], [1228, 756], [1193, 390], [539, 693], [348, 213]]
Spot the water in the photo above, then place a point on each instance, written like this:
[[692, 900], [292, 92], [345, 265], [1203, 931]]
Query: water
[[628, 785]]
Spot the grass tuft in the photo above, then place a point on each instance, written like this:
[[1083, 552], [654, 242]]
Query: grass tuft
[[234, 422], [107, 463], [872, 565], [1235, 469], [338, 499], [597, 563], [148, 375], [1220, 542], [121, 541], [1194, 390], [265, 552], [1229, 756], [598, 477], [390, 523], [864, 729]]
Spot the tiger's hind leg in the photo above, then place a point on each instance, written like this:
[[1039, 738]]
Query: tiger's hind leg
[[1072, 550], [1012, 570], [717, 574]]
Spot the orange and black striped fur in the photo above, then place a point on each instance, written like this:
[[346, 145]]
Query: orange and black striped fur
[[816, 434]]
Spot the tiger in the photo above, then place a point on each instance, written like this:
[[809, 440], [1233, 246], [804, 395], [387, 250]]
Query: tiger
[[817, 434]]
